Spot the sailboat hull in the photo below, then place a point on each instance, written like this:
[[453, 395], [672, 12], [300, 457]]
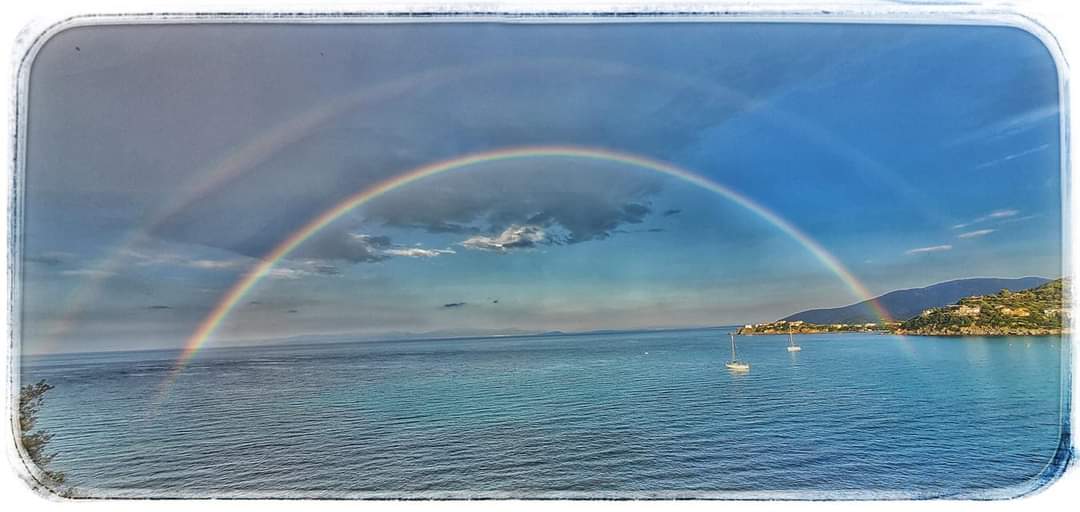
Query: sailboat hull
[[738, 366], [794, 349]]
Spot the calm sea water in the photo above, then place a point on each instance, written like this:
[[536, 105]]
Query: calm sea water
[[626, 415]]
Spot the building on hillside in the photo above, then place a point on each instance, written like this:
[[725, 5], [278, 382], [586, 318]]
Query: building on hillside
[[964, 310]]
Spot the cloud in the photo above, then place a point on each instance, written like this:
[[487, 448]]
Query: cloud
[[158, 306], [582, 200], [296, 269], [976, 233], [932, 248], [645, 230], [1012, 156], [174, 257], [1019, 219], [630, 108], [417, 252], [344, 246], [214, 264], [513, 237], [51, 258], [673, 211], [322, 255], [994, 215], [86, 272], [286, 273], [350, 247], [1000, 214], [1010, 126], [454, 305]]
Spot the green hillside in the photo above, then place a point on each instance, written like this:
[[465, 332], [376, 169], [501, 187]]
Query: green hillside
[[1037, 311]]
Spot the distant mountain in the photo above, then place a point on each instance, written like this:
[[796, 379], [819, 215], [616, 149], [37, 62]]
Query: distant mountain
[[905, 304]]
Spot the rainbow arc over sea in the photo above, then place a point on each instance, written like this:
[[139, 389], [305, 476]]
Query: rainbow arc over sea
[[234, 295]]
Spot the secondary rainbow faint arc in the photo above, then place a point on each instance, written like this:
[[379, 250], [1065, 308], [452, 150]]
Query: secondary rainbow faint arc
[[246, 156], [235, 293]]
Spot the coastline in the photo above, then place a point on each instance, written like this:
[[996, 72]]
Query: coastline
[[958, 332]]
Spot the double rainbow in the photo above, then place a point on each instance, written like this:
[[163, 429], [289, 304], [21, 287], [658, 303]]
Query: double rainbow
[[233, 296]]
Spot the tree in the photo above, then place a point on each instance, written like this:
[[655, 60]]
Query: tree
[[31, 397]]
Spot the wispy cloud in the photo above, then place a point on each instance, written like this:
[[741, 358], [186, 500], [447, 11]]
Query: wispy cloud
[[1000, 214], [214, 264], [417, 252], [51, 258], [932, 248], [1012, 156], [1011, 126], [351, 247], [454, 305], [513, 237], [646, 230], [296, 269], [143, 258], [994, 215], [976, 233], [86, 272], [322, 257], [287, 273], [1019, 219]]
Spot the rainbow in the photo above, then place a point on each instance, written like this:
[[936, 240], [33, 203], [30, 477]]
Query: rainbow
[[246, 157], [233, 296]]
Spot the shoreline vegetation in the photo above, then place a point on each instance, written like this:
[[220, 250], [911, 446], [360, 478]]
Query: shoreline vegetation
[[34, 440], [1038, 311]]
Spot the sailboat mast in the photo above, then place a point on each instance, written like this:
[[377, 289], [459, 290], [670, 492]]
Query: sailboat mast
[[733, 347]]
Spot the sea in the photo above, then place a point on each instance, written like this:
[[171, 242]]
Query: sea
[[633, 415]]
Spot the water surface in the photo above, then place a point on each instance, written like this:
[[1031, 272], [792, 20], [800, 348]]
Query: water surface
[[651, 414]]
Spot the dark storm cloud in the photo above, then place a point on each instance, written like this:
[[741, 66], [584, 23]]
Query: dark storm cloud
[[182, 109], [628, 108], [345, 247], [550, 201]]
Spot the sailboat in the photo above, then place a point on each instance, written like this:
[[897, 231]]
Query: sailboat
[[792, 347], [735, 364]]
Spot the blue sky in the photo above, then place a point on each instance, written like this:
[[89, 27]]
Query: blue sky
[[163, 162]]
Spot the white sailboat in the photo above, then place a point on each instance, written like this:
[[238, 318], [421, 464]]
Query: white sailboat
[[792, 347], [735, 364]]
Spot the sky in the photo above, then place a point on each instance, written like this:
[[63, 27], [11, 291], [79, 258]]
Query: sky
[[164, 162]]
